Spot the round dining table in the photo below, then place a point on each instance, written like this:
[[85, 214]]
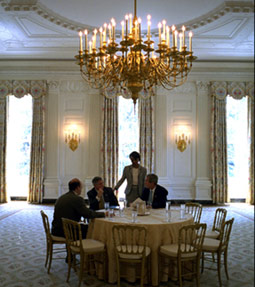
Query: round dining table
[[160, 232]]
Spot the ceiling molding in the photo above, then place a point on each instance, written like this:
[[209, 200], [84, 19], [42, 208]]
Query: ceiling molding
[[35, 6]]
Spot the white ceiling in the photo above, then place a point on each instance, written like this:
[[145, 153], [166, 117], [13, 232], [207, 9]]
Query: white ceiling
[[47, 29]]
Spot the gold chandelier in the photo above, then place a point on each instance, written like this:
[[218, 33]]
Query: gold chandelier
[[135, 65]]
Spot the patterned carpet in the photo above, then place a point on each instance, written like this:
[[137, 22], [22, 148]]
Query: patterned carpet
[[22, 245]]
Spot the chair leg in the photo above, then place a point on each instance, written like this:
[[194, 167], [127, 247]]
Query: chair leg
[[81, 270], [149, 270], [226, 262], [213, 257], [50, 257], [47, 255], [203, 258], [69, 265], [105, 266], [118, 273], [142, 273], [198, 272], [179, 272], [219, 267]]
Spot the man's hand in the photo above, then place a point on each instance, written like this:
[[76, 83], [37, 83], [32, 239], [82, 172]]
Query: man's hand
[[100, 193]]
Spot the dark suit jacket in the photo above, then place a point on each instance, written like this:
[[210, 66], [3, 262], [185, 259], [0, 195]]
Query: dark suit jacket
[[70, 206], [108, 197], [159, 199]]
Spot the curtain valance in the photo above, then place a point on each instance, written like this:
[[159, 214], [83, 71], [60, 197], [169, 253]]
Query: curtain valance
[[237, 90], [19, 89]]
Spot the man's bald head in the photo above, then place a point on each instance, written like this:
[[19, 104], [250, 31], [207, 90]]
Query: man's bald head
[[73, 184]]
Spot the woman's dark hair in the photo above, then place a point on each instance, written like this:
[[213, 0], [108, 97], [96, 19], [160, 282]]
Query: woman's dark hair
[[135, 155], [73, 184]]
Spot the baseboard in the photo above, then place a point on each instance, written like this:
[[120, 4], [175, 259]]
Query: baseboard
[[183, 201], [18, 198], [48, 200], [237, 200]]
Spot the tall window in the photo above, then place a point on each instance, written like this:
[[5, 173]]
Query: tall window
[[128, 135], [19, 127], [237, 148]]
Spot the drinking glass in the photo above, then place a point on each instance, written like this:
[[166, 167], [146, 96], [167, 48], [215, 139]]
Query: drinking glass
[[106, 205], [121, 211], [168, 211], [134, 215], [148, 206], [110, 213], [182, 211], [125, 204]]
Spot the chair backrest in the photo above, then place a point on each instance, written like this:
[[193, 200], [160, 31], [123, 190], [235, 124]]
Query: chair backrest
[[73, 234], [46, 225], [219, 219], [130, 240], [191, 238], [225, 233], [195, 209]]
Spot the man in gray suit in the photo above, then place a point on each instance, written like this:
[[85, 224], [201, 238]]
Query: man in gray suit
[[135, 175], [72, 206]]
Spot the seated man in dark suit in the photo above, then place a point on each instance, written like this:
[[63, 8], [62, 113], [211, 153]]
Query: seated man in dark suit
[[101, 194], [72, 206], [153, 193]]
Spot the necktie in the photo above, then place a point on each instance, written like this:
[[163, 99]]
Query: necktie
[[150, 197], [101, 203]]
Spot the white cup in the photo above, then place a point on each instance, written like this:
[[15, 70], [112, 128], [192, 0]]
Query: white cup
[[134, 216]]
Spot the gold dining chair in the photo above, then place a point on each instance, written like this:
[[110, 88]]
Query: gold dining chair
[[130, 248], [89, 249], [195, 209], [219, 247], [51, 240], [219, 220], [186, 253]]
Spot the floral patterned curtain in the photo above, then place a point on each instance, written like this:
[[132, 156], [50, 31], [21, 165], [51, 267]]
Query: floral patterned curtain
[[219, 91], [3, 127], [38, 90], [250, 92], [110, 141], [37, 152], [147, 141], [218, 145]]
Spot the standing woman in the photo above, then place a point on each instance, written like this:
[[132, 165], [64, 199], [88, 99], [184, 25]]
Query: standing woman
[[135, 175]]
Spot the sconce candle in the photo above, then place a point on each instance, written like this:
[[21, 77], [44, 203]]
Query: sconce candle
[[72, 138], [182, 139]]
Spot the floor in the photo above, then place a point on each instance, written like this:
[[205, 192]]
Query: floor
[[22, 250]]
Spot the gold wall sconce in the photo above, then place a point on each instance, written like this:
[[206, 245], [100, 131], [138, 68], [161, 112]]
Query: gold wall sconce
[[182, 138], [72, 137]]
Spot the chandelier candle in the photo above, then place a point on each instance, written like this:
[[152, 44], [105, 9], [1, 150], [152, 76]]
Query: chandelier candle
[[135, 66]]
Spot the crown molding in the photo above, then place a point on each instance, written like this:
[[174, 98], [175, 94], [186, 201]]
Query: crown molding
[[228, 7]]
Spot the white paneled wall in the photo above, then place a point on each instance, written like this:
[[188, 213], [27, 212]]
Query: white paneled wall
[[79, 105], [186, 174]]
